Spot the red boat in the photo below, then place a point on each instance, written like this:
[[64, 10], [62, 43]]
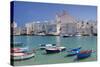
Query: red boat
[[20, 54], [84, 54]]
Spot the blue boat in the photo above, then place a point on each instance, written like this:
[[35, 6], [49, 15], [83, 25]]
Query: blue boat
[[84, 54], [73, 52], [76, 49]]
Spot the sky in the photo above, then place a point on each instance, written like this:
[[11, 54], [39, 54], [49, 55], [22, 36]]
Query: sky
[[25, 12]]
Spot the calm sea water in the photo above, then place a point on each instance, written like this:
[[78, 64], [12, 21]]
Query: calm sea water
[[86, 42]]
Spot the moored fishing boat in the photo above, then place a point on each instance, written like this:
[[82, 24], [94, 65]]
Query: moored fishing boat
[[20, 54], [55, 49], [21, 51], [52, 50], [44, 46], [66, 35], [84, 54], [74, 49], [73, 52]]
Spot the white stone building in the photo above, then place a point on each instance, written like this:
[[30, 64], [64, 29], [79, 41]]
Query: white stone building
[[66, 24]]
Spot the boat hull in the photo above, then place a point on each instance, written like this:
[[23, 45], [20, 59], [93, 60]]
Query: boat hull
[[18, 58], [52, 51], [83, 55], [55, 50]]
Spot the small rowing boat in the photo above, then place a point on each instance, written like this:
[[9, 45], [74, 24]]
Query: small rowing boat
[[73, 52], [21, 56], [55, 49], [74, 49], [44, 46], [84, 54]]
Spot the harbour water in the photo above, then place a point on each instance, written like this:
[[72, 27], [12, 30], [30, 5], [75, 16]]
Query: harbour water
[[32, 42]]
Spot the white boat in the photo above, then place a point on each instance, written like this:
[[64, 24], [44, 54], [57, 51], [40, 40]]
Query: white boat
[[55, 49], [21, 56], [44, 46], [67, 35]]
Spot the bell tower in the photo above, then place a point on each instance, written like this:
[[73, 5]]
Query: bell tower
[[58, 21]]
